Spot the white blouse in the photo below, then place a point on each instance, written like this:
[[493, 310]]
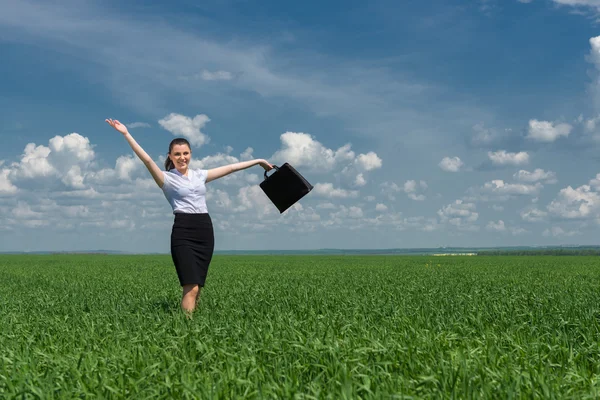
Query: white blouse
[[186, 194]]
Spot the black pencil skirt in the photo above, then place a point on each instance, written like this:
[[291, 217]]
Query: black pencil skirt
[[192, 246]]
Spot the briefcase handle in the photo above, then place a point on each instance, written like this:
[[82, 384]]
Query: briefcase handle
[[275, 167]]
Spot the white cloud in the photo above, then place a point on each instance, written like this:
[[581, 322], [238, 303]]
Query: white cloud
[[369, 161], [498, 208], [34, 163], [326, 206], [575, 203], [451, 164], [6, 186], [352, 212], [126, 165], [213, 161], [64, 157], [575, 3], [595, 182], [134, 125], [498, 186], [381, 207], [502, 157], [301, 150], [189, 128], [537, 175], [355, 212], [247, 154], [544, 131], [412, 187], [327, 190], [590, 125], [594, 58], [459, 214], [390, 188], [496, 226], [72, 145], [254, 199], [557, 231], [216, 76], [74, 178], [533, 215], [24, 211], [360, 180]]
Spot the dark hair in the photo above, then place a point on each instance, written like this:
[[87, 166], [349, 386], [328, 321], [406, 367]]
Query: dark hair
[[168, 163]]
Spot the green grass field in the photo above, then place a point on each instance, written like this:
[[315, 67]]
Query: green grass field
[[301, 327]]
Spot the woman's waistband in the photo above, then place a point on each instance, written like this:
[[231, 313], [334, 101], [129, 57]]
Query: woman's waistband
[[180, 215]]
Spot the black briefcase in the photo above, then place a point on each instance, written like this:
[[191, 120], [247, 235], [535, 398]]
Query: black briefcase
[[285, 186]]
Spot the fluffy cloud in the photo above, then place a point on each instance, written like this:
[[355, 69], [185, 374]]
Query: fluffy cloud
[[586, 3], [301, 150], [369, 161], [360, 180], [496, 226], [575, 203], [353, 212], [451, 164], [411, 188], [327, 190], [538, 175], [459, 214], [595, 183], [381, 207], [500, 226], [126, 166], [533, 215], [247, 154], [63, 158], [502, 157], [189, 128], [499, 187], [557, 231], [594, 58], [6, 186], [544, 131], [390, 187], [252, 198]]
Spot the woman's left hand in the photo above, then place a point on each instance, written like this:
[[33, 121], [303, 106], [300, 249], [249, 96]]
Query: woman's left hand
[[265, 164]]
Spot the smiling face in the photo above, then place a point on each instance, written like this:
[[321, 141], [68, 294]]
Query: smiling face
[[180, 155]]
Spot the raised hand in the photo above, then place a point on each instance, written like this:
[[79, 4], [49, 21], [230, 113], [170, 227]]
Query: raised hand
[[118, 126]]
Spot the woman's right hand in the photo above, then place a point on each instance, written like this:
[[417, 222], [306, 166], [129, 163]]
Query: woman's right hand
[[118, 126]]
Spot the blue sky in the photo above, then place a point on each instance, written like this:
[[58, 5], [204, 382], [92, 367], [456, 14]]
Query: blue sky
[[421, 124]]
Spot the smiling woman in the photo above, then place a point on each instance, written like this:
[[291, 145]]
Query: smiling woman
[[192, 235]]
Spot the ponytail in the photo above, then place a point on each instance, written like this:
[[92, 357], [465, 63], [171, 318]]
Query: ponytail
[[168, 163]]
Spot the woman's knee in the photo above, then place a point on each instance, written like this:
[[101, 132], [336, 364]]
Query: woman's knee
[[191, 290]]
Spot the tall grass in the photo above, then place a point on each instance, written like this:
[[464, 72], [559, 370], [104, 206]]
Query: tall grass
[[301, 327]]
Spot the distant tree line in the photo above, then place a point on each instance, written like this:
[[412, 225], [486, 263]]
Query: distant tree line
[[543, 252]]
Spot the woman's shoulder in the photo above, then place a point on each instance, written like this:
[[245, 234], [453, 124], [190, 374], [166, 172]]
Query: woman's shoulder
[[200, 173]]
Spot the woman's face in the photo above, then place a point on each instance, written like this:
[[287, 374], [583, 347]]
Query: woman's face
[[180, 155]]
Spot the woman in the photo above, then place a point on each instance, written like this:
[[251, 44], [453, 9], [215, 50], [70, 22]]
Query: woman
[[192, 238]]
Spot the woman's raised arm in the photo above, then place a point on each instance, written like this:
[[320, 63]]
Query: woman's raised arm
[[155, 171], [220, 172]]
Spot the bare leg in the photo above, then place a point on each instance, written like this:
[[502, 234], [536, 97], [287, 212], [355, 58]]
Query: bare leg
[[191, 293]]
